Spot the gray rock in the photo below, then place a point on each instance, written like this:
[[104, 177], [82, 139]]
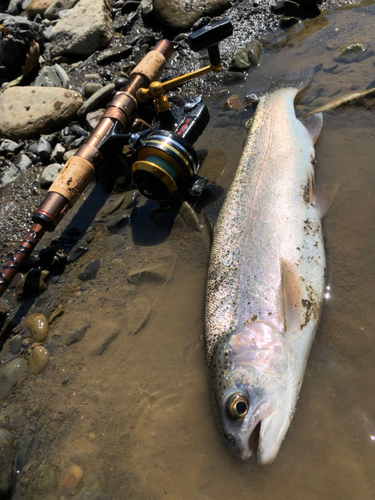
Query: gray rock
[[10, 175], [22, 162], [240, 60], [92, 494], [95, 99], [92, 119], [78, 335], [180, 15], [8, 450], [114, 54], [10, 374], [69, 154], [9, 357], [8, 146], [76, 252], [114, 242], [254, 52], [58, 5], [72, 36], [37, 8], [15, 7], [48, 33], [91, 88], [16, 344], [117, 222], [43, 150], [58, 153], [147, 7], [52, 76], [354, 52], [90, 272], [49, 175], [29, 111], [25, 4]]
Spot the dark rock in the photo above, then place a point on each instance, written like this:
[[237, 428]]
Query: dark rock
[[130, 6], [16, 344], [286, 22], [58, 153], [8, 146], [114, 54], [44, 150], [278, 8], [33, 283], [78, 335], [114, 242], [52, 76], [95, 99], [117, 222], [76, 252], [79, 130], [310, 7], [65, 380], [90, 272], [50, 346], [233, 77], [8, 450], [293, 9], [120, 81], [91, 88]]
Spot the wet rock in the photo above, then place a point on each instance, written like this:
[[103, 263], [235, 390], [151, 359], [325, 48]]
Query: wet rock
[[240, 60], [353, 52], [8, 450], [293, 9], [49, 175], [42, 482], [118, 222], [91, 494], [28, 111], [44, 150], [120, 81], [254, 52], [90, 272], [10, 374], [92, 119], [8, 146], [16, 344], [52, 76], [22, 162], [10, 175], [58, 153], [57, 6], [287, 21], [114, 54], [114, 242], [180, 16], [76, 252], [78, 335], [39, 359], [38, 7], [138, 314], [59, 311], [91, 88], [96, 99], [233, 102], [37, 325], [72, 36], [72, 478], [14, 47]]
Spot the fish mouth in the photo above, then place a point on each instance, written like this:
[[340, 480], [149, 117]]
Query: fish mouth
[[254, 436]]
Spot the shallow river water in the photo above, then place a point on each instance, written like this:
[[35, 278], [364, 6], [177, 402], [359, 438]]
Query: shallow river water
[[136, 414]]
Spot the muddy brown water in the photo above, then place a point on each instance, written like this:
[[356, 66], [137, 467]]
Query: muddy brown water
[[137, 417]]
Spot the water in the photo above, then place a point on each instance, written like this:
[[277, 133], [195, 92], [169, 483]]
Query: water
[[138, 417]]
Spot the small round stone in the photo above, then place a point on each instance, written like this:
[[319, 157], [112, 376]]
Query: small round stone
[[73, 477], [39, 359], [38, 327]]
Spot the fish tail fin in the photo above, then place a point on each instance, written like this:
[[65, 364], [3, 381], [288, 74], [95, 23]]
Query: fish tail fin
[[298, 80]]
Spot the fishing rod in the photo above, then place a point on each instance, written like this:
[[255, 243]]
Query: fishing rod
[[164, 162]]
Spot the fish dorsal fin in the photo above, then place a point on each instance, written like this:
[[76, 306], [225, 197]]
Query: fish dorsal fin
[[326, 194], [313, 125], [291, 295]]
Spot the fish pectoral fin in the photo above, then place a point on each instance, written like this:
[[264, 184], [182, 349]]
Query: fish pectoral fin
[[313, 124], [291, 296], [326, 194]]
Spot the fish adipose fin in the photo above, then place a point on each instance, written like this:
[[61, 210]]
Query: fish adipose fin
[[291, 295], [326, 195], [313, 125]]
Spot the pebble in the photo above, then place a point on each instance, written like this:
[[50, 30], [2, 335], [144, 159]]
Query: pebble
[[10, 374], [78, 335], [49, 174], [120, 81], [354, 52], [254, 52], [95, 99], [72, 478], [115, 54], [92, 119], [58, 153], [90, 272], [117, 222], [43, 150], [233, 102], [16, 344], [8, 450], [114, 242], [76, 252], [240, 60], [91, 87], [59, 311], [38, 327], [39, 359], [8, 146]]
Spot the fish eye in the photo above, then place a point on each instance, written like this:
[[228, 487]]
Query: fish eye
[[238, 405]]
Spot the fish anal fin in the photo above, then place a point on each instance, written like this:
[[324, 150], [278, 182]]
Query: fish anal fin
[[313, 124], [326, 194], [291, 296]]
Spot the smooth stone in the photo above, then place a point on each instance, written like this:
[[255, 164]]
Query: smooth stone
[[72, 478], [52, 76], [29, 111], [49, 174], [353, 52], [120, 81], [59, 311], [69, 154], [16, 344], [10, 374], [72, 36], [78, 335], [90, 272], [254, 52], [117, 222], [240, 60], [116, 53], [114, 242], [8, 450], [233, 102], [138, 314], [44, 149], [76, 252], [93, 118], [10, 174], [39, 359], [95, 99], [8, 146], [38, 327], [91, 88], [38, 7], [180, 15], [22, 162], [58, 153], [53, 11]]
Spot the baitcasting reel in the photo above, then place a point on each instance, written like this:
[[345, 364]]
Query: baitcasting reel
[[166, 161]]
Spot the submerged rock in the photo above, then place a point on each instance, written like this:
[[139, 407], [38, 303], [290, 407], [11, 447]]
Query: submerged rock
[[78, 335], [43, 481], [28, 111], [39, 359], [138, 314], [8, 450], [37, 325], [10, 374], [85, 28], [90, 272], [72, 478], [240, 60]]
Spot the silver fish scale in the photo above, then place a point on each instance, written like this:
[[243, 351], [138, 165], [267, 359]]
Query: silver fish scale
[[266, 220]]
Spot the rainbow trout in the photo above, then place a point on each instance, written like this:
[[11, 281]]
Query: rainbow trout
[[266, 277]]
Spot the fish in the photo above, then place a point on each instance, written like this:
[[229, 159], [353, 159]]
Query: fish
[[265, 282]]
